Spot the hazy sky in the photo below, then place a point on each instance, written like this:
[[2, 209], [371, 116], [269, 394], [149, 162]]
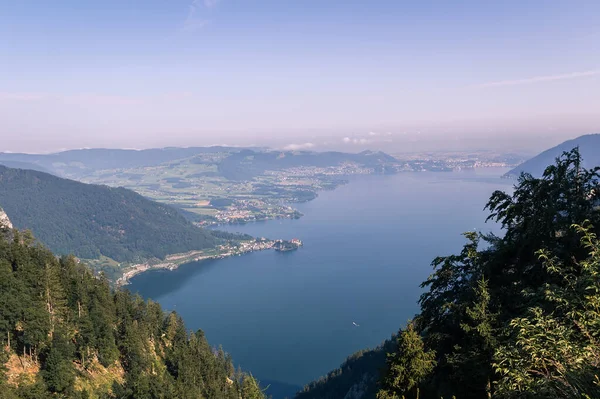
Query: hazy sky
[[327, 73]]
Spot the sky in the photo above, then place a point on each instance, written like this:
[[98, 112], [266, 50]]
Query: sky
[[395, 75]]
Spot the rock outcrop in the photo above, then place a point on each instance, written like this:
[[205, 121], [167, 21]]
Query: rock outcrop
[[5, 223]]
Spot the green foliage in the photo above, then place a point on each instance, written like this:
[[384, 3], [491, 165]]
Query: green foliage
[[556, 353], [408, 367], [251, 388], [90, 220], [58, 370], [59, 316]]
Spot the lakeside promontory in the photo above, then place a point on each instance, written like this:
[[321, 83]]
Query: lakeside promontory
[[172, 262]]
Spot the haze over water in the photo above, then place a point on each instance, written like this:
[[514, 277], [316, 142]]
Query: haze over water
[[288, 317]]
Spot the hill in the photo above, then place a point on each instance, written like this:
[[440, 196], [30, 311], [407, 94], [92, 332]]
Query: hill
[[247, 164], [79, 163], [234, 162], [589, 147], [91, 221], [65, 334], [23, 165]]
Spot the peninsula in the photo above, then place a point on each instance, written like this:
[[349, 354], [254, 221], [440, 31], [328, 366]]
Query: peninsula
[[172, 262]]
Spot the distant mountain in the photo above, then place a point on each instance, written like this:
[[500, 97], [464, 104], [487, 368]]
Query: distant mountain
[[247, 164], [90, 220], [589, 147], [238, 163], [78, 163], [23, 165]]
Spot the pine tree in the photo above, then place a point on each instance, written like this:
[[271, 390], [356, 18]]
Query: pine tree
[[58, 371], [471, 361], [251, 388], [408, 367]]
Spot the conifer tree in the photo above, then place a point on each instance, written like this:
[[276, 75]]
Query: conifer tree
[[408, 367], [251, 388]]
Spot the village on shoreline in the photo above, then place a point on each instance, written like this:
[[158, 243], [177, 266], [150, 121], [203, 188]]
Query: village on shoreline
[[172, 262]]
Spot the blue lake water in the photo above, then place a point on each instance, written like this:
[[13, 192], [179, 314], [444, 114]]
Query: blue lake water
[[288, 317]]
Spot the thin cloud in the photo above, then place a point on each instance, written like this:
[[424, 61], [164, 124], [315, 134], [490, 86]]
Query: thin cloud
[[88, 99], [296, 147], [348, 140], [193, 22], [538, 79], [18, 96]]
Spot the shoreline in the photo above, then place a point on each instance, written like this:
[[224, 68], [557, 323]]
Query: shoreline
[[173, 261]]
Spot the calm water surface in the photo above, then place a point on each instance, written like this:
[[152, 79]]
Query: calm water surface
[[288, 317]]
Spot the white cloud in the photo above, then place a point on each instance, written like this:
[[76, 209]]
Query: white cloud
[[349, 140], [211, 3], [296, 147], [537, 79], [372, 134]]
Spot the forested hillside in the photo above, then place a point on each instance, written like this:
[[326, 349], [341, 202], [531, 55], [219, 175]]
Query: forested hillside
[[516, 316], [357, 377], [64, 334], [91, 220]]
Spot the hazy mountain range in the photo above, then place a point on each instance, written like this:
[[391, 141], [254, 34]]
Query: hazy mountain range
[[237, 163]]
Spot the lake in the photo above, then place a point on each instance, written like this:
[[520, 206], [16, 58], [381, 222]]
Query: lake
[[288, 317]]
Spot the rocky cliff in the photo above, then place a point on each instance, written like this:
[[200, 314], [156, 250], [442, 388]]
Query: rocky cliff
[[4, 220]]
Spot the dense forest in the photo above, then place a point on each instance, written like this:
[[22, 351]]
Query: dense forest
[[65, 334], [357, 377], [516, 316], [90, 220]]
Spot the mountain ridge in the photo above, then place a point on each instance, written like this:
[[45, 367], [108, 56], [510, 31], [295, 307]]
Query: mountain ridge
[[589, 147], [79, 163]]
